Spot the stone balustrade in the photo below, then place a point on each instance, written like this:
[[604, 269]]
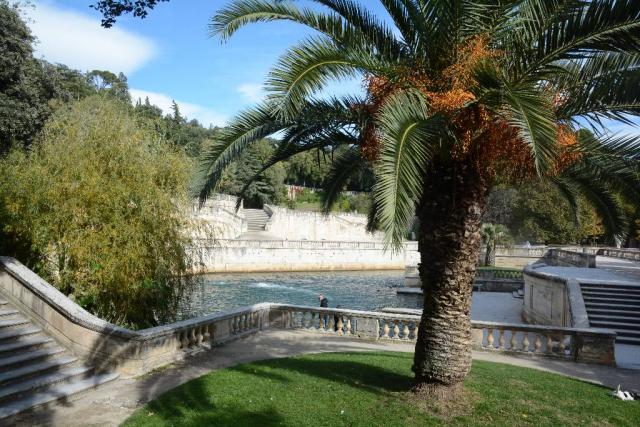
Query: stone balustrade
[[630, 254], [131, 353], [577, 344]]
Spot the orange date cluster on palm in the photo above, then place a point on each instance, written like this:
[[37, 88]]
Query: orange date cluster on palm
[[483, 138]]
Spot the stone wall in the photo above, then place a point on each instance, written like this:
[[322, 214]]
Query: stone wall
[[218, 218], [306, 225], [290, 255]]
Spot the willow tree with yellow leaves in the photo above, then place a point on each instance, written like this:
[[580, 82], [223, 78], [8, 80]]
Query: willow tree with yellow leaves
[[458, 96]]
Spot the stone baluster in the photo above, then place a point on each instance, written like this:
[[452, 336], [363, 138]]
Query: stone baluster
[[501, 339], [331, 323], [561, 345], [348, 326], [490, 338], [385, 329], [207, 333], [537, 344], [199, 335], [184, 339], [192, 337], [525, 342], [340, 326], [549, 349], [321, 322], [513, 342], [415, 331], [405, 331], [396, 330], [307, 318], [245, 323]]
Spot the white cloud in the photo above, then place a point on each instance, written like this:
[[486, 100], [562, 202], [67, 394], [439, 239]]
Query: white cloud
[[251, 92], [78, 40], [204, 115]]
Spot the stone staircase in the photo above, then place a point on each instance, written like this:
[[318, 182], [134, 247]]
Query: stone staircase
[[614, 307], [256, 219], [34, 369]]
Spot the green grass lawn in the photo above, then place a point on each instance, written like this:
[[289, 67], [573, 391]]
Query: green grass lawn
[[370, 389]]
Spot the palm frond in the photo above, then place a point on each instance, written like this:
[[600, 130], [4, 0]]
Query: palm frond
[[410, 135], [365, 31], [248, 127], [307, 68], [531, 113], [342, 170]]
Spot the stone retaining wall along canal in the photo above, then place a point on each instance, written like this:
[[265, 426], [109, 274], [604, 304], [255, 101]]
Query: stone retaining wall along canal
[[232, 256]]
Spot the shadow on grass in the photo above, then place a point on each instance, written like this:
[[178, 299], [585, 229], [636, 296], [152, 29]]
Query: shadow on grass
[[354, 374], [192, 405]]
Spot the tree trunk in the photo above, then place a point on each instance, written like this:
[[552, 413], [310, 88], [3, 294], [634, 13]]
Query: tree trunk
[[490, 255], [449, 243]]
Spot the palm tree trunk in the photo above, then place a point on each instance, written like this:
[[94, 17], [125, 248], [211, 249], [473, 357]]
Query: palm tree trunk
[[449, 242], [490, 255]]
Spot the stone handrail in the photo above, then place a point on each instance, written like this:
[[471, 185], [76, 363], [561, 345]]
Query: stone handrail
[[105, 345], [577, 344], [561, 257]]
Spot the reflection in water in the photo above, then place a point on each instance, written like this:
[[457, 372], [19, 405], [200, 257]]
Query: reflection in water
[[367, 290]]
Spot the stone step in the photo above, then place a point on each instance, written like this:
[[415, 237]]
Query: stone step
[[611, 312], [628, 340], [23, 357], [7, 312], [610, 324], [13, 323], [13, 334], [3, 302], [60, 392], [630, 288], [613, 318], [40, 382], [24, 344], [620, 300], [20, 374], [611, 294], [601, 305]]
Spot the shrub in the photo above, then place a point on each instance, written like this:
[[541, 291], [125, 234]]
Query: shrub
[[98, 208]]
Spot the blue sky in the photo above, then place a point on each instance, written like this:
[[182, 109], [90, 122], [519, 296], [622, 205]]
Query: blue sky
[[170, 55]]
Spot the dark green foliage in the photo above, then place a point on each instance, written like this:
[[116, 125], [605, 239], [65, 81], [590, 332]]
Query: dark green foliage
[[112, 9], [369, 389], [23, 102], [541, 214], [267, 188]]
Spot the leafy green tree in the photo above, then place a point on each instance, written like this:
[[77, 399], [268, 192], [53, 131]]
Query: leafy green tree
[[109, 84], [112, 9], [98, 208], [245, 177], [460, 95], [23, 108], [541, 214]]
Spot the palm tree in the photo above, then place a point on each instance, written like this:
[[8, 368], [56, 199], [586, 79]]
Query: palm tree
[[460, 94], [492, 234]]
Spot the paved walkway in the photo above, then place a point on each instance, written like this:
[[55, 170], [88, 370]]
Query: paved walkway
[[628, 269], [113, 403]]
